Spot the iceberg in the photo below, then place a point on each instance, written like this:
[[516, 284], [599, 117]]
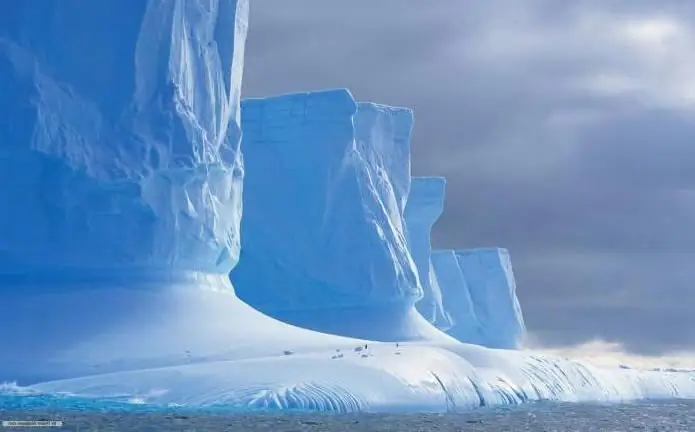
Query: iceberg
[[490, 282], [470, 294], [121, 157], [424, 206], [325, 248], [465, 325], [122, 219], [479, 295]]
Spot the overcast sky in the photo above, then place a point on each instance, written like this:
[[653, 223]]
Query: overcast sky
[[566, 130]]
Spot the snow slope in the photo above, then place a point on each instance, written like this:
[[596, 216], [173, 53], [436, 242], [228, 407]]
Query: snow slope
[[121, 222], [424, 206], [383, 378]]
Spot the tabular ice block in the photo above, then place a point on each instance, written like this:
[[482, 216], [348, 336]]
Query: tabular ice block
[[490, 281], [457, 301], [424, 206], [119, 134], [121, 172], [323, 241]]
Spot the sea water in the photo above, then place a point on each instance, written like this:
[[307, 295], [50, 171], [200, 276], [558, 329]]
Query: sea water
[[81, 414]]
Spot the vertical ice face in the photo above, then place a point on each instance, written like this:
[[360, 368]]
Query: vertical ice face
[[424, 206], [119, 139], [490, 281], [457, 301], [326, 185]]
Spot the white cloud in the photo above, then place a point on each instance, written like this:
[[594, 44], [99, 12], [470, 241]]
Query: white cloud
[[613, 354]]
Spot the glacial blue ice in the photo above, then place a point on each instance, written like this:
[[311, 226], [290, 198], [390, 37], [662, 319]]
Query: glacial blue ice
[[487, 312], [464, 323], [424, 206], [120, 117], [120, 222], [325, 248], [490, 281], [119, 156]]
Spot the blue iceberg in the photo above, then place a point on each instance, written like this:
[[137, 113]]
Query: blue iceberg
[[425, 205], [121, 156], [464, 323], [479, 297], [325, 248], [492, 288]]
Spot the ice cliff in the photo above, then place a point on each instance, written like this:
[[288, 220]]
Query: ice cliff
[[470, 294], [119, 156], [325, 247], [424, 206], [479, 293], [120, 222], [457, 301], [120, 117]]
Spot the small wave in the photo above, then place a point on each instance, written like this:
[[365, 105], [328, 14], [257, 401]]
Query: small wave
[[13, 389], [297, 398]]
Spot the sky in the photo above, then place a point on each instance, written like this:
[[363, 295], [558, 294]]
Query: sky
[[566, 131]]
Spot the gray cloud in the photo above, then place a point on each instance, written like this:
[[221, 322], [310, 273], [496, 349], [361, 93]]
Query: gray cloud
[[566, 132]]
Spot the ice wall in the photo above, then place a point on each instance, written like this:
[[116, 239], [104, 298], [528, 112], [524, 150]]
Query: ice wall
[[323, 240], [121, 173], [489, 280], [457, 301], [119, 134], [424, 206]]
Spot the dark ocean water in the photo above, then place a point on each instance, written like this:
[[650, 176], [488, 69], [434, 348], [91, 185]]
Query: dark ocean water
[[117, 416]]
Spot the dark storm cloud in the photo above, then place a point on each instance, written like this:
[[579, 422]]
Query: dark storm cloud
[[566, 131]]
